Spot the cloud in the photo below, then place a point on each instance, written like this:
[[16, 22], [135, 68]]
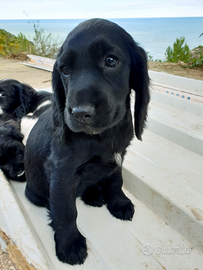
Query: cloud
[[66, 9]]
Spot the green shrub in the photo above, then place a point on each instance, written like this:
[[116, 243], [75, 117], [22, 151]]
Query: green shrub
[[10, 44], [24, 45], [196, 59], [197, 62], [150, 58], [44, 45], [158, 60], [179, 52]]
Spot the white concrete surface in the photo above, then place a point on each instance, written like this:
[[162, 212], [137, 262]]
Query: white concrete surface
[[162, 176], [14, 222], [176, 82]]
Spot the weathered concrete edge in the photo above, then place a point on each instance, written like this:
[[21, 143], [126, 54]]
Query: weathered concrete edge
[[176, 82]]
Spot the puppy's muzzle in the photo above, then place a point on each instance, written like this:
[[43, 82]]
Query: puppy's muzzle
[[83, 114]]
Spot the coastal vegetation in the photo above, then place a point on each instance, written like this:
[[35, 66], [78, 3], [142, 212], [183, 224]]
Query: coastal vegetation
[[42, 44], [45, 45], [10, 44], [179, 52]]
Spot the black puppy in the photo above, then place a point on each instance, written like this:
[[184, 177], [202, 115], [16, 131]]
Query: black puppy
[[22, 105], [23, 102], [11, 150], [77, 147], [19, 99]]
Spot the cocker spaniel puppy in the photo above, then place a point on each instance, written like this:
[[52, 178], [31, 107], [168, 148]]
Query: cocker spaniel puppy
[[77, 147], [22, 105], [19, 99], [11, 150]]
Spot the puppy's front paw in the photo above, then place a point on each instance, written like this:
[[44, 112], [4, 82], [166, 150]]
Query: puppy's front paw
[[72, 252], [93, 196], [35, 198], [121, 208]]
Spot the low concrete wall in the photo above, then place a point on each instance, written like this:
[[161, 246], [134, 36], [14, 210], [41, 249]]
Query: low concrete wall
[[176, 82]]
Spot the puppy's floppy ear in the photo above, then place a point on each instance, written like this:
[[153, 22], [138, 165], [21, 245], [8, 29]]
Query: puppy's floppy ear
[[139, 81], [25, 93], [59, 100], [17, 134], [11, 128]]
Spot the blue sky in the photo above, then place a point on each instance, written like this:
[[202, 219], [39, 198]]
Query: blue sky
[[84, 9]]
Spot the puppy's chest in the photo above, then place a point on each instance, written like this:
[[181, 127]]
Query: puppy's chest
[[26, 126], [102, 154], [98, 163], [113, 153]]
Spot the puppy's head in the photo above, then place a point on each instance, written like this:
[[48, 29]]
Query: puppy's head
[[11, 151], [97, 66], [15, 97]]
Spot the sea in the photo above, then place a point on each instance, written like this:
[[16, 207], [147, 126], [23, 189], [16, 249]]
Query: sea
[[153, 34]]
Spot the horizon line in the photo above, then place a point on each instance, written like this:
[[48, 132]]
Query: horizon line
[[157, 17]]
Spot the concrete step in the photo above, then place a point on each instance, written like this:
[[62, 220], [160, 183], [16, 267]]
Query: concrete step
[[165, 170], [145, 243], [178, 120], [177, 82], [167, 178]]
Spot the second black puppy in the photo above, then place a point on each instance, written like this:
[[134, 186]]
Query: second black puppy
[[23, 102], [19, 99], [77, 147], [11, 150]]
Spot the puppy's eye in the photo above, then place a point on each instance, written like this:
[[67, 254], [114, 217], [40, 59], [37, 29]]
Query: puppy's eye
[[2, 95], [65, 71], [12, 152], [111, 61]]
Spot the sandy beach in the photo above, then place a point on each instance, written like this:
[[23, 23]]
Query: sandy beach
[[14, 69]]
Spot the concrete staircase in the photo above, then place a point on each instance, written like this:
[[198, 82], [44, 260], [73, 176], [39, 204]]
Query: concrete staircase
[[165, 171], [163, 176]]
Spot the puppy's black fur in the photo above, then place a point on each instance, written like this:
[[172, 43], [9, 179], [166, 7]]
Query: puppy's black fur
[[22, 105], [19, 99], [11, 149], [77, 147]]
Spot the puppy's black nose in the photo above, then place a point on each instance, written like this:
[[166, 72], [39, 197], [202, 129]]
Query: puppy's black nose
[[83, 114]]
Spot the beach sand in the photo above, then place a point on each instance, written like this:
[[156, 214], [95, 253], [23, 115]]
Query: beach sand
[[14, 69]]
